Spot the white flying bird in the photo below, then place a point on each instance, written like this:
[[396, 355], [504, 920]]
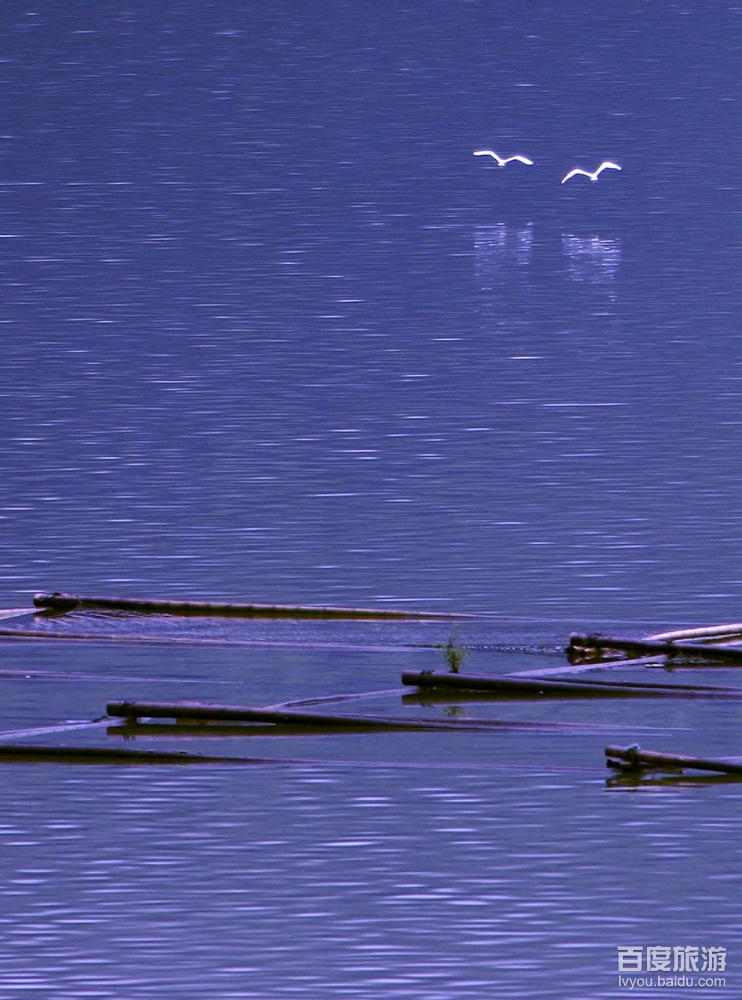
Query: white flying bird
[[605, 165], [500, 161]]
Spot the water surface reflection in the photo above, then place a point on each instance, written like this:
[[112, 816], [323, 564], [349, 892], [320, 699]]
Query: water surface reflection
[[401, 883], [592, 259]]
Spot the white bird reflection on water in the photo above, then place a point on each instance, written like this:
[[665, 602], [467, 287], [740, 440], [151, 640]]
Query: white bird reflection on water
[[591, 259], [499, 247], [503, 252]]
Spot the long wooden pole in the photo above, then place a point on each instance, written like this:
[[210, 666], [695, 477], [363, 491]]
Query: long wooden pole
[[695, 649], [70, 602], [593, 666], [235, 713], [113, 755], [535, 686], [721, 632], [637, 758], [312, 720]]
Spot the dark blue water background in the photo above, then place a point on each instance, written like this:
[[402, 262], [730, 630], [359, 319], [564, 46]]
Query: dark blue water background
[[269, 332]]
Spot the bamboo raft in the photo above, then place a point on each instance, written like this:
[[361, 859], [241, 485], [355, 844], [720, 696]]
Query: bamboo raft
[[708, 645], [717, 644]]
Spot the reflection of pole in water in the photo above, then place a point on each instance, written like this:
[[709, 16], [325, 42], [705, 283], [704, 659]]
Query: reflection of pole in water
[[591, 259], [499, 250]]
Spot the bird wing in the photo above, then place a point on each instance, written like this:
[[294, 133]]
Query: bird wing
[[522, 159], [607, 165], [486, 152], [573, 173]]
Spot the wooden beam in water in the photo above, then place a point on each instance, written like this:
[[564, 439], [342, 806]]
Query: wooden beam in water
[[240, 713], [272, 720], [721, 632], [510, 685], [204, 729], [704, 651], [72, 602], [594, 666], [633, 758], [62, 727], [111, 755]]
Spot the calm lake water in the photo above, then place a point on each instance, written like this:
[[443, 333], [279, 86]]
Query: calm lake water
[[269, 332]]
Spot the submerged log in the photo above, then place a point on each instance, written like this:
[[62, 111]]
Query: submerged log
[[72, 602], [111, 755], [509, 684], [278, 722], [239, 713], [597, 643], [633, 758]]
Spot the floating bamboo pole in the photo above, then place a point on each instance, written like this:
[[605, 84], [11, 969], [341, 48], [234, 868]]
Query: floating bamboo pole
[[239, 713], [204, 729], [71, 602], [274, 721], [632, 758], [597, 643], [62, 727], [593, 666], [707, 632], [113, 755], [509, 684]]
